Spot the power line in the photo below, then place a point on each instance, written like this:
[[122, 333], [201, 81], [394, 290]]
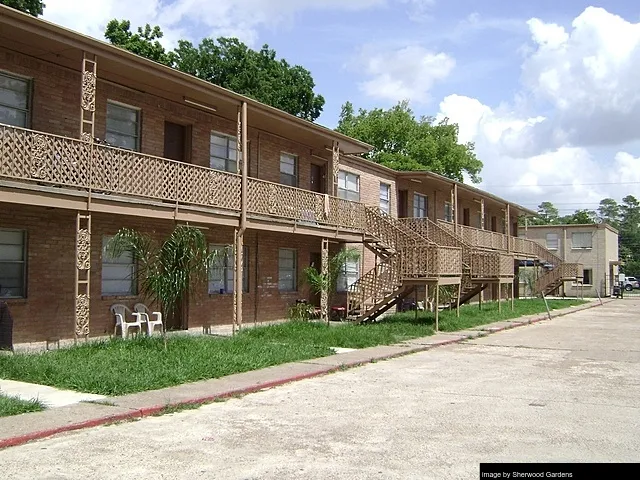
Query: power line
[[561, 184]]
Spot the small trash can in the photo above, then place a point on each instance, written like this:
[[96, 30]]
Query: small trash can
[[6, 327]]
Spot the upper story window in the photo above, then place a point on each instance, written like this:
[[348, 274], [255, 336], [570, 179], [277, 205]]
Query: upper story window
[[448, 212], [419, 206], [385, 197], [14, 100], [289, 169], [552, 241], [118, 273], [123, 126], [13, 263], [581, 240], [348, 186], [223, 152]]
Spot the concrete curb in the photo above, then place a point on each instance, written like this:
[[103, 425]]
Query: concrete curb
[[406, 348]]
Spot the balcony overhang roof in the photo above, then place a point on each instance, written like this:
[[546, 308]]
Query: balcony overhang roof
[[57, 45], [448, 183]]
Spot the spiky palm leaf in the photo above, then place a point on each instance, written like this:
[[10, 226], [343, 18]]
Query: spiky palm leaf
[[167, 271]]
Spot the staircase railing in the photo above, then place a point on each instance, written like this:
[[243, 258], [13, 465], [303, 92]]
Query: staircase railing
[[413, 256]]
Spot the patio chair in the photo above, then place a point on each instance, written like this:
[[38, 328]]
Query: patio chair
[[143, 313], [122, 313]]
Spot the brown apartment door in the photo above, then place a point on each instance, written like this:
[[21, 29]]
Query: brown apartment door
[[317, 178], [403, 198], [176, 142], [466, 217], [494, 224]]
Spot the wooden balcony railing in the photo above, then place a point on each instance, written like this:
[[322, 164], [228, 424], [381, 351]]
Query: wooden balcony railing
[[487, 264], [501, 242], [37, 157], [430, 261]]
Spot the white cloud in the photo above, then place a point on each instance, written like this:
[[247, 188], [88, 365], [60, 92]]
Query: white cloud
[[178, 18], [589, 76], [404, 74], [580, 177]]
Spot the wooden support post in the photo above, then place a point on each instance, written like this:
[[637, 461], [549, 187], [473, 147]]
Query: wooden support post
[[239, 233], [324, 294], [83, 275], [499, 297], [455, 208], [437, 305], [480, 299], [482, 213], [458, 301], [513, 305]]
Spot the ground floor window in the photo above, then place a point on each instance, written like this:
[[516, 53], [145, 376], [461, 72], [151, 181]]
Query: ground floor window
[[118, 273], [222, 272], [287, 270], [13, 263], [349, 274]]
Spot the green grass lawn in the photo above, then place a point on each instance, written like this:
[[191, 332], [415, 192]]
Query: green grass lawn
[[14, 406], [471, 315], [118, 367]]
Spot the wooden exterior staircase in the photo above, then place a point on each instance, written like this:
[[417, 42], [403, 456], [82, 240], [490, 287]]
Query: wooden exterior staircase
[[406, 257], [557, 272], [480, 266]]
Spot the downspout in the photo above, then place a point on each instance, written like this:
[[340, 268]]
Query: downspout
[[243, 218]]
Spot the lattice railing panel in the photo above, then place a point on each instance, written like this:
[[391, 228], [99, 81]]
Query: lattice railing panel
[[346, 214], [375, 285], [449, 261], [507, 263]]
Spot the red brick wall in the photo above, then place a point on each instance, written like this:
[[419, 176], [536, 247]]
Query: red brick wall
[[48, 309]]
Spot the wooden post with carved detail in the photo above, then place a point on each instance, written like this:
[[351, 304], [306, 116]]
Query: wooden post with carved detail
[[83, 275], [324, 294]]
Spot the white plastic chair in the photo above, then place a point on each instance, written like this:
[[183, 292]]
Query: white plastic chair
[[120, 312], [142, 310]]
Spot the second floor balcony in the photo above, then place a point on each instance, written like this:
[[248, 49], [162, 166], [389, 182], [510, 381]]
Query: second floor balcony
[[42, 162]]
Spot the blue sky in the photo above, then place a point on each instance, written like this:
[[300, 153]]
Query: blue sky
[[546, 89]]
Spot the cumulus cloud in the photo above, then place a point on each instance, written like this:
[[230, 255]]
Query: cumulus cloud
[[579, 175], [588, 75], [178, 18], [405, 74]]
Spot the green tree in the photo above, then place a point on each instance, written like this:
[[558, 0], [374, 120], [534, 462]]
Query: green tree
[[144, 43], [167, 271], [231, 64], [580, 217], [319, 282], [32, 7], [403, 142], [547, 215], [609, 212], [629, 232]]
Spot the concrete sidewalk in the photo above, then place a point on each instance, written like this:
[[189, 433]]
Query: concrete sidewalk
[[19, 429]]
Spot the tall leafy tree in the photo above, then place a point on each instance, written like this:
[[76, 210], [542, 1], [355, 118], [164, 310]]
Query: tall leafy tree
[[609, 212], [231, 64], [580, 217], [32, 7], [547, 215], [630, 234], [145, 43], [403, 142]]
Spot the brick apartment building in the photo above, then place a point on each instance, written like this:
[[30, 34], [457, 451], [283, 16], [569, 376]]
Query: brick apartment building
[[94, 138]]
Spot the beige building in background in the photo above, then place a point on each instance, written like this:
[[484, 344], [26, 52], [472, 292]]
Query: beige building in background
[[594, 246]]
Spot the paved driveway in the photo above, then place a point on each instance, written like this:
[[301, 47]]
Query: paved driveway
[[566, 390]]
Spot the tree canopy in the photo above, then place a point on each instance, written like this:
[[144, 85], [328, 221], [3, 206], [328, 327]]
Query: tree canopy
[[229, 63], [403, 142], [32, 7], [625, 217]]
